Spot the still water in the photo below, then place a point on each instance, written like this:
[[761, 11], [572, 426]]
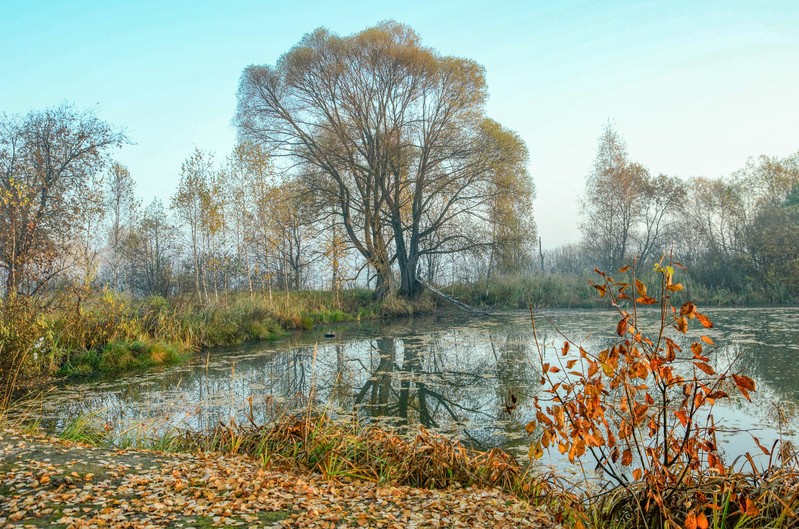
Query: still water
[[453, 373]]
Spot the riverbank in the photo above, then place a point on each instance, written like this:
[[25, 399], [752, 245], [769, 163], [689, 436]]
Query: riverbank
[[47, 482], [109, 332], [557, 290]]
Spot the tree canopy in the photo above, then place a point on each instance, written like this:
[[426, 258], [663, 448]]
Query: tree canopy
[[394, 136], [47, 159]]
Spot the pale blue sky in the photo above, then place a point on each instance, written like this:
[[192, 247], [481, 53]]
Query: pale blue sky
[[694, 87]]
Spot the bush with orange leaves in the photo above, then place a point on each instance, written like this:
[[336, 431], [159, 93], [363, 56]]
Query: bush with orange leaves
[[642, 408]]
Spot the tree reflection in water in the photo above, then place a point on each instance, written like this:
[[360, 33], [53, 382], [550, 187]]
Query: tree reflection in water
[[455, 375]]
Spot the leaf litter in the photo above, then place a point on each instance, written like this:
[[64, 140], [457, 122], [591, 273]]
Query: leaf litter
[[47, 482]]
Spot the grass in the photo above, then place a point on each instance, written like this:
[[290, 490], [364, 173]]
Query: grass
[[767, 498], [555, 290], [110, 333], [521, 291], [84, 429], [354, 450]]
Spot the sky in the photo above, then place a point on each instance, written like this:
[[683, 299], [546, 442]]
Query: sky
[[695, 88]]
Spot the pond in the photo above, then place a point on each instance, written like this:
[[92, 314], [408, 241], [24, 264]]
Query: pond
[[454, 373]]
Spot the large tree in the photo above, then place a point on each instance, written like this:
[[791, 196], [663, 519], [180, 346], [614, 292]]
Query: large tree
[[612, 201], [391, 133], [47, 160], [122, 205]]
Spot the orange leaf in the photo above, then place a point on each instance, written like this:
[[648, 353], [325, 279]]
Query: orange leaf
[[676, 287], [621, 328], [707, 369], [682, 416], [690, 520], [687, 308], [624, 269], [627, 457], [751, 508], [601, 289], [535, 452], [640, 287], [646, 300], [696, 348], [744, 382], [701, 521], [762, 448], [706, 339], [530, 428], [570, 364], [637, 473], [704, 320]]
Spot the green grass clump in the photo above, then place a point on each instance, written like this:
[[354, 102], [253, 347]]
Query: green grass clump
[[84, 429], [121, 355]]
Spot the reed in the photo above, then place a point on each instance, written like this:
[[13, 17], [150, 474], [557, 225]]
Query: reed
[[351, 449]]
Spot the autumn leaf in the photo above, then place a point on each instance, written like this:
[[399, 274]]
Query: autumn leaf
[[744, 382], [750, 508], [646, 300], [745, 385], [688, 309], [535, 452], [602, 289], [696, 349], [707, 340], [690, 520], [704, 320], [676, 287], [530, 427], [701, 521], [762, 448], [621, 328], [637, 473], [706, 368], [546, 439], [627, 457], [640, 288]]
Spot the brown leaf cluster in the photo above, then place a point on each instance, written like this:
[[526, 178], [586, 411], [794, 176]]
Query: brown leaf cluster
[[45, 481]]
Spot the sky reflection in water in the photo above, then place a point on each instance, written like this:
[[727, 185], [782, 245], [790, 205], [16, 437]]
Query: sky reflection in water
[[451, 372]]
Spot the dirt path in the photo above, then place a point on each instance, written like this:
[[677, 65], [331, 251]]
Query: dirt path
[[47, 482]]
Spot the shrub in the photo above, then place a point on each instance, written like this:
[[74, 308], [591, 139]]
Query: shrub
[[24, 344], [642, 409]]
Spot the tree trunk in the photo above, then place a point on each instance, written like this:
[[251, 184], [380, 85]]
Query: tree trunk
[[410, 287], [383, 277]]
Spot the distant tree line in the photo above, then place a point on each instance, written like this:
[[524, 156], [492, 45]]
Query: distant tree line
[[737, 233], [365, 160]]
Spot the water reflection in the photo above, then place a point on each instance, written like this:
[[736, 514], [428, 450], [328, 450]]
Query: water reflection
[[452, 373]]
